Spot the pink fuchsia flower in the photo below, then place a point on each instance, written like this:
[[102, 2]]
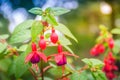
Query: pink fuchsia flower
[[111, 43], [35, 56], [54, 37], [60, 57], [42, 43]]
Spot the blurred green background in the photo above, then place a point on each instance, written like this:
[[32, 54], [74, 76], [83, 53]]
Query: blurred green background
[[83, 20]]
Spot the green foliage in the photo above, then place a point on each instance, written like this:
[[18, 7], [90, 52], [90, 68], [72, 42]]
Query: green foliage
[[36, 29], [63, 29], [93, 62], [59, 11], [115, 31], [36, 10], [79, 76], [4, 36], [21, 32], [3, 46]]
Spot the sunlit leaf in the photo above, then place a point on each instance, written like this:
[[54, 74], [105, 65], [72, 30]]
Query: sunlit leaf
[[62, 28], [36, 29], [115, 31], [4, 36], [21, 32], [51, 19], [36, 10]]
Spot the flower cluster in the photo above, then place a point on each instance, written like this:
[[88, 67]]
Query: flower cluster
[[110, 66], [37, 54], [100, 48]]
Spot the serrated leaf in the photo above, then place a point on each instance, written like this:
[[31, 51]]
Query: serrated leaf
[[21, 32], [3, 46], [62, 28], [115, 31], [36, 10], [20, 36], [93, 62], [4, 36], [36, 28], [51, 19], [59, 11]]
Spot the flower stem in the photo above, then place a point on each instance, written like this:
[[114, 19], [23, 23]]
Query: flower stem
[[41, 68]]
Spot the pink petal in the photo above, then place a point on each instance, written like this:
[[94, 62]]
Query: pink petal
[[58, 57], [43, 56], [28, 57]]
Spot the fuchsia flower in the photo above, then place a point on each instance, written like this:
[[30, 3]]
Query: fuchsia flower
[[60, 57], [54, 37], [110, 66], [111, 43], [42, 43], [35, 56]]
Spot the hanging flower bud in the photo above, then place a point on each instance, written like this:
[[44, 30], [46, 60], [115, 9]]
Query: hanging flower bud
[[54, 37], [110, 43], [42, 43], [94, 51]]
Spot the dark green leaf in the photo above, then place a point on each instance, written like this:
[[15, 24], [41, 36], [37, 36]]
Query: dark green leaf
[[36, 28], [62, 28], [36, 10]]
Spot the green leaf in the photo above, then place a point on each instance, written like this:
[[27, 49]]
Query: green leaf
[[68, 48], [36, 28], [20, 64], [51, 19], [22, 48], [79, 76], [62, 28], [115, 31], [20, 36], [3, 46], [21, 32], [102, 75], [59, 11], [4, 36], [36, 10], [93, 62], [64, 41], [116, 48]]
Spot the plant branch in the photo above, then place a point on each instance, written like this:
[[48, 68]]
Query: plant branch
[[33, 73]]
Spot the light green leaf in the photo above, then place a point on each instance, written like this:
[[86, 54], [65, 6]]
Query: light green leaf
[[21, 32], [115, 31], [116, 48], [22, 48], [36, 10], [4, 36], [64, 41], [51, 19], [68, 48], [3, 46], [23, 26], [93, 62], [59, 11], [20, 36], [36, 28], [62, 28]]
